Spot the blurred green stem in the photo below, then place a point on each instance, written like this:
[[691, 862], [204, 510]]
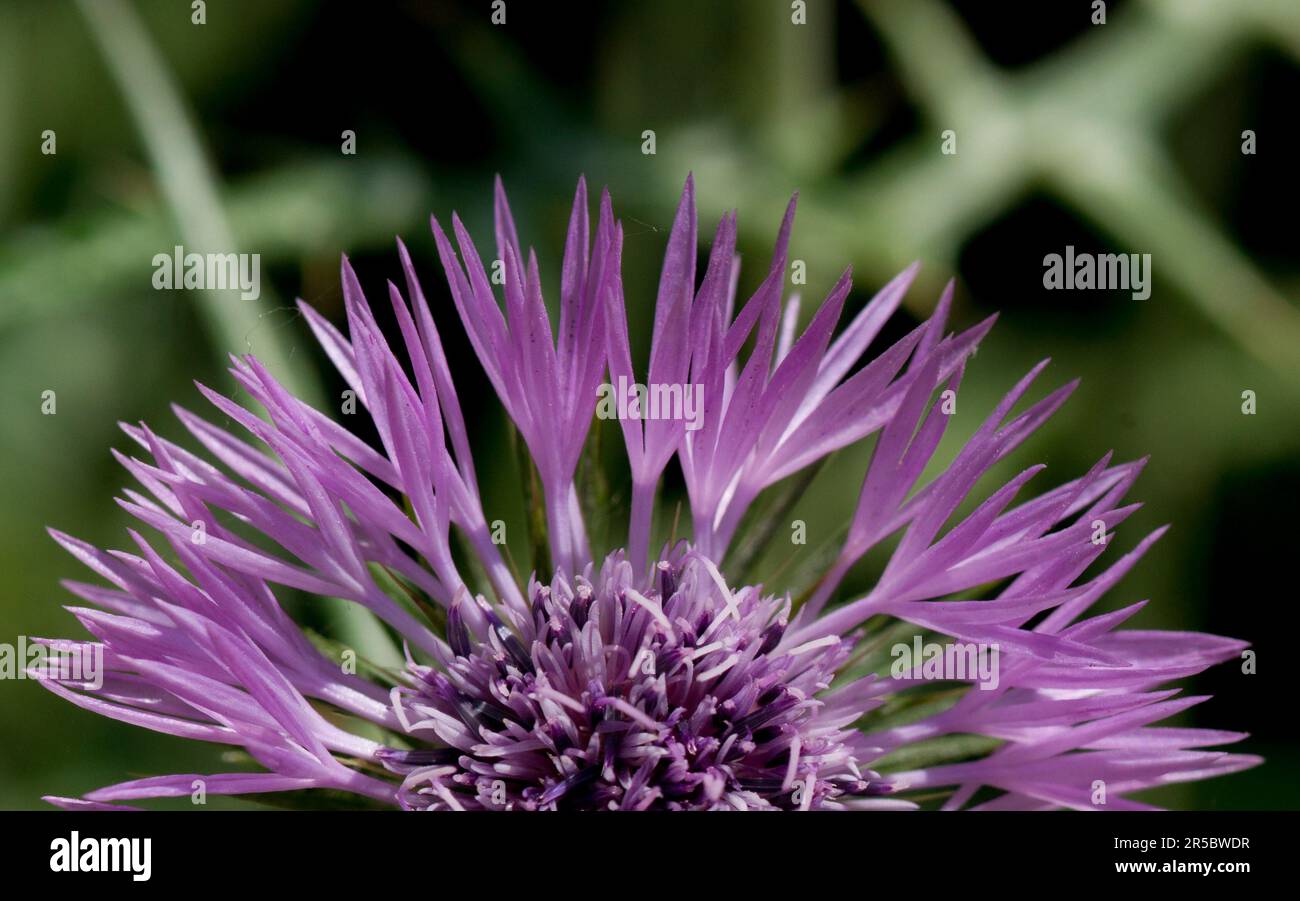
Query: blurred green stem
[[189, 184], [186, 179]]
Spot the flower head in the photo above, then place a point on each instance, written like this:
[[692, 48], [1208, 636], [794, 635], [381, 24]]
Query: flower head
[[649, 679]]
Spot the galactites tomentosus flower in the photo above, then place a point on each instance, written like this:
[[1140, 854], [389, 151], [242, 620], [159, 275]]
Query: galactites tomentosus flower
[[648, 679]]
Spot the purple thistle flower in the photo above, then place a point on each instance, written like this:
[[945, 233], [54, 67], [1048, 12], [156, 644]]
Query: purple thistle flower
[[646, 680]]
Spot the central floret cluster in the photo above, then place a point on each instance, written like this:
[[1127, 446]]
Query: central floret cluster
[[674, 694]]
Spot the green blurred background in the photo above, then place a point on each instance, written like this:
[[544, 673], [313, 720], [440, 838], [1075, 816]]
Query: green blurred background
[[1116, 137]]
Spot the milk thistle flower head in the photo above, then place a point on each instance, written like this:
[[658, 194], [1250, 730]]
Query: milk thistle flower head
[[649, 678]]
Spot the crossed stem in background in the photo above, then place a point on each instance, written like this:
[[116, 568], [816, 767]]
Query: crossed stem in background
[[1081, 125]]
